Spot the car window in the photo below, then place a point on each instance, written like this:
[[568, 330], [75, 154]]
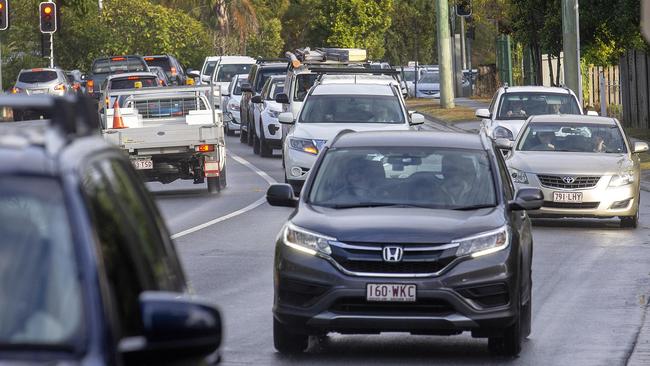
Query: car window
[[266, 73], [237, 90], [508, 186], [521, 105], [352, 109], [118, 64], [228, 71], [275, 89], [408, 75], [162, 62], [423, 176], [572, 137], [430, 78], [134, 82], [43, 76], [208, 68], [170, 107], [304, 82], [40, 289]]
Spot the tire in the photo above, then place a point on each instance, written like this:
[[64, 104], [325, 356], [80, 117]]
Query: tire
[[251, 135], [213, 184], [632, 221], [256, 144], [509, 343], [286, 341], [265, 150], [222, 179], [229, 132], [243, 135]]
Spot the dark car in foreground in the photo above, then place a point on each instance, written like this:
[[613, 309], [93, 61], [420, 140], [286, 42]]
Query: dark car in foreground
[[405, 231], [88, 273]]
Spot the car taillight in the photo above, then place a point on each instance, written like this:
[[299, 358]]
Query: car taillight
[[60, 87], [89, 85], [15, 90], [161, 83], [173, 71], [205, 148]]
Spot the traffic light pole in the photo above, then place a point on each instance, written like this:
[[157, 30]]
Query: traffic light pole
[[51, 50], [444, 55]]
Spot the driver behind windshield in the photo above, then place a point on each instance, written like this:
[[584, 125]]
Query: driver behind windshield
[[516, 109], [545, 141], [458, 175]]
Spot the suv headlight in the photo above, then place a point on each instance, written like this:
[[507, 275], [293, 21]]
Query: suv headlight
[[306, 241], [304, 145], [483, 244], [518, 176], [622, 179], [502, 133]]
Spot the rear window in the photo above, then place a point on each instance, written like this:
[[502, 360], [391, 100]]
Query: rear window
[[264, 74], [130, 83], [42, 76], [164, 108], [162, 62], [118, 64]]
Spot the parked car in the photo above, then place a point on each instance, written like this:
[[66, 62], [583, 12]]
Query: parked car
[[401, 231], [174, 70], [584, 165], [50, 81], [103, 67], [265, 113], [89, 273], [160, 73], [259, 72], [331, 108], [428, 85], [231, 100], [511, 106]]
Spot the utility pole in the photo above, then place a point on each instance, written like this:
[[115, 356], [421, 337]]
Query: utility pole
[[444, 55], [571, 46]]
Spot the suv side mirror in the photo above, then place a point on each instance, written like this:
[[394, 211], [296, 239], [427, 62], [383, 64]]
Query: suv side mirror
[[176, 327], [640, 146], [527, 199], [483, 113], [282, 98], [281, 195], [256, 99], [286, 118], [246, 87], [417, 119]]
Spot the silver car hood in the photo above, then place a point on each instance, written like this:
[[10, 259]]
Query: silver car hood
[[569, 163], [327, 131]]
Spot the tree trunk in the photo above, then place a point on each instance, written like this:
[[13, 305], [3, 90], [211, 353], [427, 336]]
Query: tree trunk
[[557, 80]]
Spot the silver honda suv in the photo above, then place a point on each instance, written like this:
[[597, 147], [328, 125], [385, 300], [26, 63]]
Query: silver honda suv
[[42, 81]]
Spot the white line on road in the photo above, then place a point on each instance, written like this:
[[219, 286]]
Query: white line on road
[[250, 207]]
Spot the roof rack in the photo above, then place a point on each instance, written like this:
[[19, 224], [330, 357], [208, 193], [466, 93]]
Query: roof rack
[[319, 55], [261, 60], [350, 70]]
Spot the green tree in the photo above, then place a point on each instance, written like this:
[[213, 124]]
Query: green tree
[[412, 29]]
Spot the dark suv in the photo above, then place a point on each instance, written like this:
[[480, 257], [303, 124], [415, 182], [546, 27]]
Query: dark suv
[[405, 231], [171, 66], [88, 273], [103, 67], [261, 71]]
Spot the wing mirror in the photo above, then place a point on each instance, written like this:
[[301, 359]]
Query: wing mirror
[[256, 99], [246, 87], [483, 113], [527, 199], [176, 327], [281, 195], [417, 119], [282, 98], [504, 144], [286, 118], [640, 146]]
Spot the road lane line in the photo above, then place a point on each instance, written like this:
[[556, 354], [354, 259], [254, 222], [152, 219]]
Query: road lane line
[[243, 210]]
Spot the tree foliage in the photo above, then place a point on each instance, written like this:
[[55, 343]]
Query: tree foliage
[[412, 32]]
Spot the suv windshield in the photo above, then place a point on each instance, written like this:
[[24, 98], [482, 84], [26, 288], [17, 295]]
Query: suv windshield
[[40, 293], [522, 105], [228, 71], [404, 176], [118, 64], [572, 137], [42, 76], [352, 109]]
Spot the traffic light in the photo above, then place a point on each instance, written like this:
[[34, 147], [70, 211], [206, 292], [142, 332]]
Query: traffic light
[[463, 8], [4, 14], [48, 17]]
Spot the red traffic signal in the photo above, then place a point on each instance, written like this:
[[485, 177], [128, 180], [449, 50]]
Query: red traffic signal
[[4, 14], [47, 14]]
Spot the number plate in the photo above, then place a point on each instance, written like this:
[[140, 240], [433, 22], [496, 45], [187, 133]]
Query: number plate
[[142, 164], [569, 197], [391, 292]]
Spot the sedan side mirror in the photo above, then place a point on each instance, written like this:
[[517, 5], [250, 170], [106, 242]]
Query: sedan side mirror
[[256, 99], [527, 199], [483, 113], [176, 328], [246, 87], [281, 195], [286, 118], [640, 146], [282, 98], [417, 119]]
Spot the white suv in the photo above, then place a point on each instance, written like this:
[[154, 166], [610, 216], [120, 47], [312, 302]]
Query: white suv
[[332, 107], [511, 106]]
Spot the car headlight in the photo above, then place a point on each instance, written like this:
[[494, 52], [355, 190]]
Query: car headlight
[[502, 133], [273, 114], [233, 106], [304, 145], [518, 176], [483, 244], [306, 241], [622, 179]]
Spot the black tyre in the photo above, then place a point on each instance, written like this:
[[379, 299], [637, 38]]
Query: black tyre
[[229, 132], [213, 184], [243, 135], [509, 342], [265, 150], [251, 134], [286, 341], [631, 221], [256, 144], [222, 179]]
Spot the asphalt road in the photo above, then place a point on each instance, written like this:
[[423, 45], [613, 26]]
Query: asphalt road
[[591, 282]]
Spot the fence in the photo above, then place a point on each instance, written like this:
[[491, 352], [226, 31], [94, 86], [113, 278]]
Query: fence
[[612, 89], [635, 89]]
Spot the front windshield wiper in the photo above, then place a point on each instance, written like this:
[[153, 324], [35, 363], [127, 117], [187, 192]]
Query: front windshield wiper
[[473, 207]]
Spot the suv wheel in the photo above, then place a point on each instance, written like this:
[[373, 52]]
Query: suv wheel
[[509, 342], [256, 144], [243, 135], [265, 150], [213, 184], [286, 341], [251, 134]]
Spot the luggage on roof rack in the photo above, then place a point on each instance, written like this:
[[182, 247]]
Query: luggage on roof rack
[[342, 55]]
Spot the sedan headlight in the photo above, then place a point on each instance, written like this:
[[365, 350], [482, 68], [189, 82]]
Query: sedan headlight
[[622, 179], [483, 244], [502, 133], [518, 176], [304, 145], [306, 241]]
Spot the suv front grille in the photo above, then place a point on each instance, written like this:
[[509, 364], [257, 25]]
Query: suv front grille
[[556, 181]]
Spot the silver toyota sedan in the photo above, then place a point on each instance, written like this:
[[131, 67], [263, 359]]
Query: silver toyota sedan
[[584, 165]]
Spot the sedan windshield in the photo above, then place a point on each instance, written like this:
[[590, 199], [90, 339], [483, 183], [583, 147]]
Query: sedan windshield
[[522, 105], [40, 293], [404, 176], [572, 137], [352, 109]]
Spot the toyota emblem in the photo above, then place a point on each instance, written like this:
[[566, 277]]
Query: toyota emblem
[[568, 180], [392, 254]]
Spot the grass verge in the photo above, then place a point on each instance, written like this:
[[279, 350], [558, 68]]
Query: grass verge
[[432, 108]]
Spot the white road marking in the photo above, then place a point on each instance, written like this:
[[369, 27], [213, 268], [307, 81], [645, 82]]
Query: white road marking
[[243, 210]]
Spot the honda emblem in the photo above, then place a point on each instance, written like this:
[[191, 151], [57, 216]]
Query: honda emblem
[[392, 254]]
